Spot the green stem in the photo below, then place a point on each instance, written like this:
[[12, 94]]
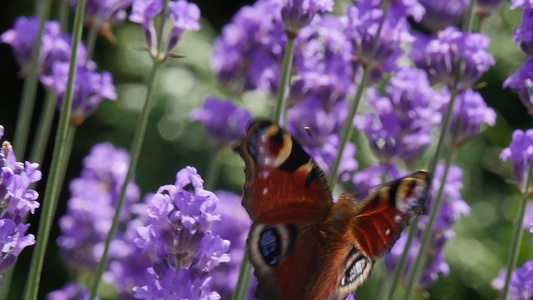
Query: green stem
[[27, 101], [347, 130], [63, 15], [55, 178], [7, 277], [43, 129], [427, 234], [285, 79], [213, 170], [135, 151], [518, 234], [91, 40], [243, 284], [400, 268]]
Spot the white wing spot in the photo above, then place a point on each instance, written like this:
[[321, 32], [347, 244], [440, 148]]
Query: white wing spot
[[387, 232], [397, 218], [264, 174], [265, 191]]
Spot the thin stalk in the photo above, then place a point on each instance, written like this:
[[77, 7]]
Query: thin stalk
[[284, 84], [43, 129], [243, 284], [91, 40], [213, 170], [399, 270], [135, 151], [55, 178], [427, 234], [347, 130], [518, 234], [7, 277], [27, 101], [63, 15]]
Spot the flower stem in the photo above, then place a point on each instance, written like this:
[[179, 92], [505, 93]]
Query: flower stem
[[285, 79], [347, 130], [243, 284], [27, 101], [63, 15], [135, 151], [518, 234], [213, 170], [55, 178], [43, 129], [91, 40]]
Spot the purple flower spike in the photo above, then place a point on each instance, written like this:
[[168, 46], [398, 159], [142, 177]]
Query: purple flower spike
[[70, 291], [90, 89], [522, 81], [296, 14], [400, 127], [363, 28], [182, 249], [184, 15], [438, 56], [22, 38], [441, 14], [521, 285], [223, 121], [234, 227], [16, 201], [406, 8], [520, 152], [470, 112], [526, 4], [523, 34], [101, 12]]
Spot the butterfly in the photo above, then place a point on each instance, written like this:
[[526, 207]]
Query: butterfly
[[302, 244]]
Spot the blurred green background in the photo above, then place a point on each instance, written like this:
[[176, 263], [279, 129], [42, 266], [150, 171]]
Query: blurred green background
[[475, 255]]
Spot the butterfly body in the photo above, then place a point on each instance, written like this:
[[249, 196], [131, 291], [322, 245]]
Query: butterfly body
[[302, 244]]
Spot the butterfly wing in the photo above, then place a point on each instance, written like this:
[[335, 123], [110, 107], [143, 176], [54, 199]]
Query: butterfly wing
[[283, 184], [380, 218], [288, 197]]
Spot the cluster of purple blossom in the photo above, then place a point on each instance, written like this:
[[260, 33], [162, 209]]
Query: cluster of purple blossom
[[16, 200]]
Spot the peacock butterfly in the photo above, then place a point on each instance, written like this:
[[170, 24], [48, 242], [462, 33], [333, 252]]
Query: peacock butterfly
[[302, 244]]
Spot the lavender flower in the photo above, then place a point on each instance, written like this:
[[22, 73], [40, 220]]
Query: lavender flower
[[363, 28], [179, 243], [522, 81], [55, 47], [400, 128], [406, 8], [70, 291], [526, 4], [223, 121], [90, 89], [297, 14], [520, 152], [105, 12], [184, 15], [521, 285], [438, 56], [523, 34], [235, 226], [469, 113], [91, 208], [485, 8], [16, 200], [453, 208], [441, 14]]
